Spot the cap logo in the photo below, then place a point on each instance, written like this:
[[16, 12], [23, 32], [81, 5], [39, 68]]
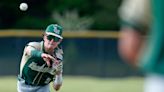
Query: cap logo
[[56, 30]]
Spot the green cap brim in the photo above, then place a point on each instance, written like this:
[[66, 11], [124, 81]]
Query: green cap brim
[[56, 35]]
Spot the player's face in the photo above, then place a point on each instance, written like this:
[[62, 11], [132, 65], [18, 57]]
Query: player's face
[[51, 42]]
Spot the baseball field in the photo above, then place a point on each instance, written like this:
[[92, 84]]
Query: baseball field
[[85, 84]]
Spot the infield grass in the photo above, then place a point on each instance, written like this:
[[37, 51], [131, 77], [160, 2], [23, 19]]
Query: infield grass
[[84, 84]]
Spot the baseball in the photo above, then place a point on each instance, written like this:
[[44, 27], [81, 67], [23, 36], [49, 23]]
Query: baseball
[[23, 6]]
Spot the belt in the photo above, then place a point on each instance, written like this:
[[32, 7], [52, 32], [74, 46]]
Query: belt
[[20, 78]]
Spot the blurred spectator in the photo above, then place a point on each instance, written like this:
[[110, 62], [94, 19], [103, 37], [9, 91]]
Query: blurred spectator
[[140, 17]]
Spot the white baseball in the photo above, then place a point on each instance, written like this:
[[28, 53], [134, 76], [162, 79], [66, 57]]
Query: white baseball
[[23, 6]]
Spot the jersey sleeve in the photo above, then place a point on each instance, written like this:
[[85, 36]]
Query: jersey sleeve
[[33, 49], [35, 45]]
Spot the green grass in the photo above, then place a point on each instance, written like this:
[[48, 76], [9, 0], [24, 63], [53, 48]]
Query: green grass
[[85, 84]]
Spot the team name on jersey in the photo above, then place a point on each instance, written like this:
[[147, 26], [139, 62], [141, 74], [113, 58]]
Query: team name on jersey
[[35, 67]]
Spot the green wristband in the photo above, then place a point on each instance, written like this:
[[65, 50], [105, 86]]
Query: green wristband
[[36, 53]]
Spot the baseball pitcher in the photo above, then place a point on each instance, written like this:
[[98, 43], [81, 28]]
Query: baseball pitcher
[[42, 63]]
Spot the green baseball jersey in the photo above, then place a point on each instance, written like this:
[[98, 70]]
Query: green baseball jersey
[[152, 60], [34, 70]]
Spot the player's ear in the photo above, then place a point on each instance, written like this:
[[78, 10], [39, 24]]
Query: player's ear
[[59, 41], [44, 36]]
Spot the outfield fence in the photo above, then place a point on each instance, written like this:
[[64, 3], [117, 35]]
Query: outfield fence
[[92, 53]]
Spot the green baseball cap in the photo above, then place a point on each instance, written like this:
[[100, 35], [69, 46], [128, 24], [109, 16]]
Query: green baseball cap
[[54, 30]]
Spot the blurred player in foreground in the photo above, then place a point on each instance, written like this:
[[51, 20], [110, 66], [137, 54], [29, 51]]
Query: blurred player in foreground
[[144, 52], [42, 63]]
